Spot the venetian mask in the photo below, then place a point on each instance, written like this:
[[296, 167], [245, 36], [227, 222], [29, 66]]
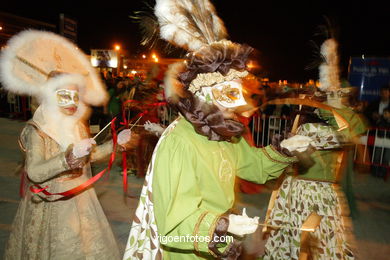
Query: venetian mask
[[227, 94], [66, 97]]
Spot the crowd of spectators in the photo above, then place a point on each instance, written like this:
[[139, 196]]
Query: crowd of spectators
[[376, 115], [148, 89]]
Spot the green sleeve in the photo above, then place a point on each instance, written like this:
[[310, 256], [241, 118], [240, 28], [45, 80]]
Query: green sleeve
[[357, 124], [39, 169], [177, 198], [260, 165]]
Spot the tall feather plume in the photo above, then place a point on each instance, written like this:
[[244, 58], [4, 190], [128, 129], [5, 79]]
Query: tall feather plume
[[190, 24], [324, 31], [149, 27], [317, 57], [327, 30], [329, 70]]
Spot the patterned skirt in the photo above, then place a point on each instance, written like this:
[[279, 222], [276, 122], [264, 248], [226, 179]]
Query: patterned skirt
[[296, 200]]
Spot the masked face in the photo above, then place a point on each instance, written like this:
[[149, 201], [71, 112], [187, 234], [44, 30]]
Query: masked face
[[68, 100], [227, 94], [238, 96]]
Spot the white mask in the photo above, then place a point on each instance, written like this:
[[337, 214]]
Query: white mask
[[66, 97], [228, 94]]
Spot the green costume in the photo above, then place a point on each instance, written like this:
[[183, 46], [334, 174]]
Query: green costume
[[357, 127], [189, 184], [316, 190]]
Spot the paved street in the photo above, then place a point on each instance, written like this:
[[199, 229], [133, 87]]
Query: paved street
[[372, 227]]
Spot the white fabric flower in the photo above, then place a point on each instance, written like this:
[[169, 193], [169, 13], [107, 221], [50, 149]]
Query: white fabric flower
[[298, 143], [242, 224], [157, 129]]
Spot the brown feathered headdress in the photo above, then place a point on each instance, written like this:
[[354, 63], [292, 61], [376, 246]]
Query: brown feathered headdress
[[213, 70]]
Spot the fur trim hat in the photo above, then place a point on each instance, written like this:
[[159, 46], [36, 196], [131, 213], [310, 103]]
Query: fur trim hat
[[30, 57]]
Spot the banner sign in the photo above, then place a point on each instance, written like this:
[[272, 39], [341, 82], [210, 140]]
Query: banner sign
[[104, 58], [369, 75]]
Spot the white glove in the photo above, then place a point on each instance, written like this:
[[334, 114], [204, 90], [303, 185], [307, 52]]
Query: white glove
[[298, 143], [154, 128], [242, 224], [124, 136], [83, 147]]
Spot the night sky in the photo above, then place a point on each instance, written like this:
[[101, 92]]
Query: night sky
[[280, 32]]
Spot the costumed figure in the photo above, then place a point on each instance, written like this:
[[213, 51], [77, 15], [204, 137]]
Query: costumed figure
[[142, 104], [186, 204], [58, 151], [315, 189]]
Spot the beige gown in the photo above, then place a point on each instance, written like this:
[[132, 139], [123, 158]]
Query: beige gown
[[72, 228]]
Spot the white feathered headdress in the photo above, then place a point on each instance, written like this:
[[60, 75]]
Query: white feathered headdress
[[329, 69], [212, 59], [189, 24], [213, 74], [32, 55]]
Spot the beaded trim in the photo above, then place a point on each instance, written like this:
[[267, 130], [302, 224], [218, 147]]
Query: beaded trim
[[209, 79]]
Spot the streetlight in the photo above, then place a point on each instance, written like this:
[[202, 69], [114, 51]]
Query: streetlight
[[117, 48], [154, 57]]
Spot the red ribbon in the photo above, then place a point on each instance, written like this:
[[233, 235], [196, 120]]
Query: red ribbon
[[126, 123], [145, 108], [38, 189], [70, 192], [124, 171]]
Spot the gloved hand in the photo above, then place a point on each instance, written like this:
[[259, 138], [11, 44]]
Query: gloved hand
[[76, 155], [298, 143], [242, 224], [157, 129], [83, 147], [276, 140], [124, 136], [233, 248]]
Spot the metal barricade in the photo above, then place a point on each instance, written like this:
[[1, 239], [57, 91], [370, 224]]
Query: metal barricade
[[264, 127], [372, 149], [166, 115], [375, 148], [18, 106]]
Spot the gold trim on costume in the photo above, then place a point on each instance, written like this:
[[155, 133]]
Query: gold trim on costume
[[196, 229], [21, 145], [272, 159], [23, 60], [211, 232]]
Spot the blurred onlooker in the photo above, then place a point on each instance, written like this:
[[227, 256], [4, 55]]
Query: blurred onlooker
[[381, 153], [115, 103], [99, 116], [4, 106], [384, 122], [374, 109]]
